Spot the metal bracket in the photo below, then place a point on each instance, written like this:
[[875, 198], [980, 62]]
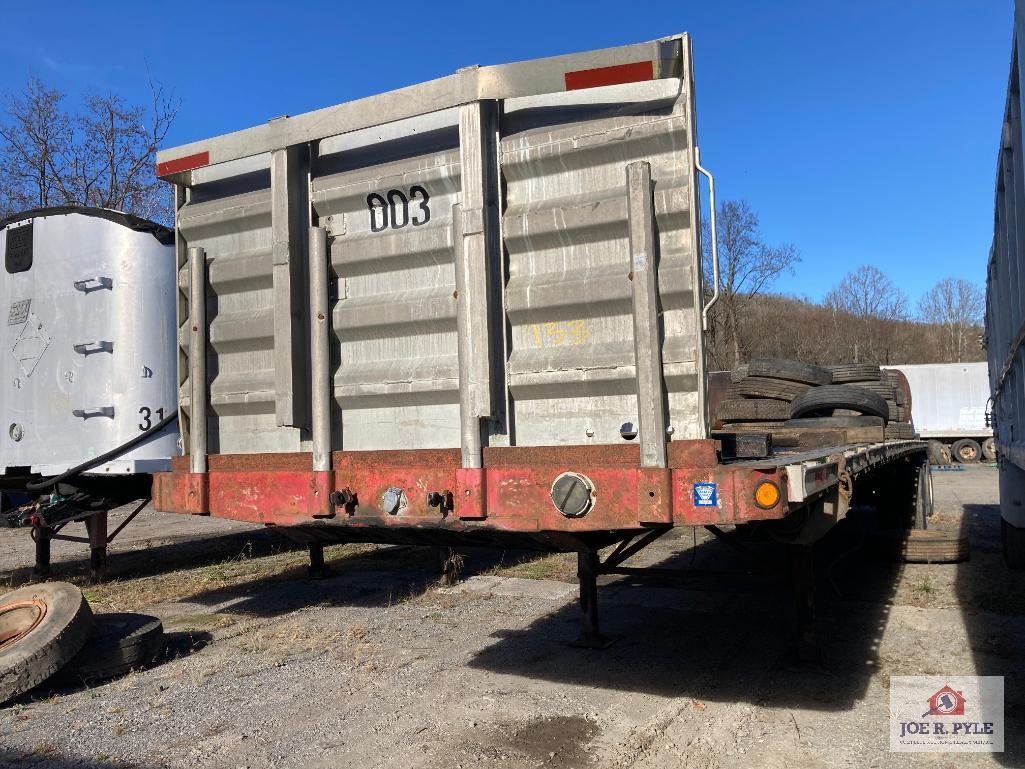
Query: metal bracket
[[94, 411], [89, 348], [96, 283]]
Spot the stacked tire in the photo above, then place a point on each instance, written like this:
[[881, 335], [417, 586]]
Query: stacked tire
[[761, 392], [49, 633], [890, 385]]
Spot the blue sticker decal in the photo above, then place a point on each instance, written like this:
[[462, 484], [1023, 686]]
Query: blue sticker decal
[[706, 495]]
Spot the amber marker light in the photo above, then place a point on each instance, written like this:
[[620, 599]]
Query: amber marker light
[[766, 494]]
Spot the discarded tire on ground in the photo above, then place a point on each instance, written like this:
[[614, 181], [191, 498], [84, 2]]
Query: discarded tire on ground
[[42, 627], [790, 370], [989, 450], [966, 451], [120, 643], [822, 400], [933, 546], [764, 387], [853, 372], [752, 410]]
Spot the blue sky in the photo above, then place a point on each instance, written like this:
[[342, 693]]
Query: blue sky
[[865, 133]]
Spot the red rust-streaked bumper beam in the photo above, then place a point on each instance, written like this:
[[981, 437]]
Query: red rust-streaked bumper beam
[[512, 492]]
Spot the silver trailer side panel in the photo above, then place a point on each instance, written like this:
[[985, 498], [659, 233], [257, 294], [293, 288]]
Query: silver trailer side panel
[[1005, 313], [505, 247], [949, 399], [88, 344]]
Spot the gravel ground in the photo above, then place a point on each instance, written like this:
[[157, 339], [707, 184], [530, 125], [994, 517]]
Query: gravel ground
[[382, 666]]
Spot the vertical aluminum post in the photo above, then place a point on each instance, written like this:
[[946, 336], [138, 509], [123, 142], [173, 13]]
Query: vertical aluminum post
[[320, 349], [197, 358], [468, 346], [646, 311]]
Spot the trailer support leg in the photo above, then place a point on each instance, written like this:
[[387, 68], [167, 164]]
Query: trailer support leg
[[802, 576], [96, 526], [318, 569], [42, 540], [588, 567]]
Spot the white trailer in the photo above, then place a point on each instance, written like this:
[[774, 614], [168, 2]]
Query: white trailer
[[949, 405]]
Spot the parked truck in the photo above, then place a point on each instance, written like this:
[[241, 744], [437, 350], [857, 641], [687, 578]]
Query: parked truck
[[1005, 309], [472, 311], [949, 407]]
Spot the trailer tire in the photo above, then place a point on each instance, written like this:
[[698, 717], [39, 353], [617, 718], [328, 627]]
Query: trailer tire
[[765, 387], [120, 643], [1013, 545], [935, 451], [835, 422], [42, 627], [752, 410], [824, 399], [845, 373], [989, 450], [790, 370], [966, 451], [933, 546]]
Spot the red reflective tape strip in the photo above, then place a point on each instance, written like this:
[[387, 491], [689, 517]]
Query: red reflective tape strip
[[186, 163], [619, 73]]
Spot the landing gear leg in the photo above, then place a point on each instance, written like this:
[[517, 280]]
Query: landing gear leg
[[588, 567], [96, 526], [802, 580], [318, 569], [41, 535]]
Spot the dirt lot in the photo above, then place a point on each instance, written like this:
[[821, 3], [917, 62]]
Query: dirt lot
[[382, 666]]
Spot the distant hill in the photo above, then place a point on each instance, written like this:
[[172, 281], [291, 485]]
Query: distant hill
[[776, 326]]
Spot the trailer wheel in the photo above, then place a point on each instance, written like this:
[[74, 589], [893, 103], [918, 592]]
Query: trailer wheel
[[966, 451], [923, 497], [121, 642], [41, 628], [1013, 544], [989, 450], [822, 400], [938, 453]]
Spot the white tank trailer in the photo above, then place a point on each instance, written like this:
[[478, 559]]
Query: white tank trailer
[[87, 401]]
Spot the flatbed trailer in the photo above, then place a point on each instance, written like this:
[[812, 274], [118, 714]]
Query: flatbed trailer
[[472, 311]]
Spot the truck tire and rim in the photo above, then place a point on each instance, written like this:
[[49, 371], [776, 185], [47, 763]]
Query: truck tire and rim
[[854, 372], [935, 451], [966, 451], [822, 400], [989, 450], [120, 643], [766, 387], [923, 497], [933, 546], [790, 370], [42, 627]]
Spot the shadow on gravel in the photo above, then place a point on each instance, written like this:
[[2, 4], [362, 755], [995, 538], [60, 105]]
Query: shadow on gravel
[[47, 756], [723, 631], [992, 598], [187, 553], [374, 578]]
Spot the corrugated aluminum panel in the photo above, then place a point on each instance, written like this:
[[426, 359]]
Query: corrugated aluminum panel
[[483, 257]]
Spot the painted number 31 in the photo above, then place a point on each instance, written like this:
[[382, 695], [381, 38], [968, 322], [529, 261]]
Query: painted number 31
[[396, 208]]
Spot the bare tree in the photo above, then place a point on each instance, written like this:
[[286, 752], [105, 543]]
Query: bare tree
[[956, 305], [748, 266], [102, 156], [866, 306]]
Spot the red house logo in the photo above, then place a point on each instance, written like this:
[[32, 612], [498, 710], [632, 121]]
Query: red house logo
[[946, 702]]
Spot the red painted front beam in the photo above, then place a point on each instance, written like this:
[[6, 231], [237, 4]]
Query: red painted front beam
[[512, 491]]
